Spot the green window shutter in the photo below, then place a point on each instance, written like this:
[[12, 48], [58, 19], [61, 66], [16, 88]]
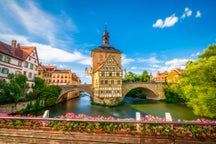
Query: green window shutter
[[2, 69], [3, 58]]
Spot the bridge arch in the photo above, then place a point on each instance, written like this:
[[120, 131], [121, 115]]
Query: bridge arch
[[152, 90], [75, 88]]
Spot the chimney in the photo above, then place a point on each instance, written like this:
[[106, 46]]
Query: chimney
[[13, 43], [13, 46], [18, 46]]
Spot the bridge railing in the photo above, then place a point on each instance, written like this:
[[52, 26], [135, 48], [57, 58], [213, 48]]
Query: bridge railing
[[111, 121], [148, 82], [127, 126]]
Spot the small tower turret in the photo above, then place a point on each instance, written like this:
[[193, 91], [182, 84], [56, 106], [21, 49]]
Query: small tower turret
[[105, 37]]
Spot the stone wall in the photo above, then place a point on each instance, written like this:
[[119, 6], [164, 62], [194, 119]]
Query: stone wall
[[12, 108], [69, 95], [43, 136], [155, 89]]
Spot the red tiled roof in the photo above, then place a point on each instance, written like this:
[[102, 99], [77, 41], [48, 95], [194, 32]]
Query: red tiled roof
[[47, 68], [40, 68], [7, 49], [63, 71], [27, 50]]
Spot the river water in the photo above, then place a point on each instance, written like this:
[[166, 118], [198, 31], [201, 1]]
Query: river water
[[82, 105]]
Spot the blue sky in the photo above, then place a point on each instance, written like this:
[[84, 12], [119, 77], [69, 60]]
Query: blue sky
[[153, 35]]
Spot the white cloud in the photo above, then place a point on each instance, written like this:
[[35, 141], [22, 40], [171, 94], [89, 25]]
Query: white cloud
[[168, 22], [187, 13], [155, 66], [126, 60], [158, 23], [198, 14], [151, 60], [50, 54], [133, 68], [176, 63], [28, 17], [195, 55], [8, 37], [86, 61], [61, 66], [47, 53]]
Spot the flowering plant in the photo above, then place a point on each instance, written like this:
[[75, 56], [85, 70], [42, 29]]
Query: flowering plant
[[148, 125]]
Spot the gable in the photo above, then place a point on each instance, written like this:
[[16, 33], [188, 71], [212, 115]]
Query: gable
[[110, 65]]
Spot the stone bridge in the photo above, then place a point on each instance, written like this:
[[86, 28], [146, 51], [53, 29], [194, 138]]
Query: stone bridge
[[153, 90], [78, 88]]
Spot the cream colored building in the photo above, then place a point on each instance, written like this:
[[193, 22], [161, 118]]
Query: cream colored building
[[18, 59], [106, 73]]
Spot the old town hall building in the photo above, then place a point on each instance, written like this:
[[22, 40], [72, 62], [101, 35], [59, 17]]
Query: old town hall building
[[106, 73]]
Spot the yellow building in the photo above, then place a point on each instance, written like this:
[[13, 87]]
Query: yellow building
[[106, 73], [45, 72], [174, 76], [57, 77], [62, 77]]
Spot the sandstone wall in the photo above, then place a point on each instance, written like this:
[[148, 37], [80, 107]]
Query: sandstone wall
[[42, 136]]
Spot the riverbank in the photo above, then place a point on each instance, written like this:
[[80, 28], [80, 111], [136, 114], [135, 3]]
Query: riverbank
[[13, 108]]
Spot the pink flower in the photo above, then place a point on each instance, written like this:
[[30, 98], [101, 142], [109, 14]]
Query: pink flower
[[160, 127], [4, 115]]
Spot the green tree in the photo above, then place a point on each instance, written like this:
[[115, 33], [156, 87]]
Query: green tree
[[47, 93], [173, 93], [144, 76], [50, 94], [131, 77], [40, 85], [3, 91], [21, 80], [14, 89], [198, 83]]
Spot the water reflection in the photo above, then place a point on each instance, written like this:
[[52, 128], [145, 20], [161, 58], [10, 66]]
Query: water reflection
[[82, 105]]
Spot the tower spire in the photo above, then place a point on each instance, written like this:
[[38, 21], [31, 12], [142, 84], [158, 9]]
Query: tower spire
[[105, 36], [105, 27]]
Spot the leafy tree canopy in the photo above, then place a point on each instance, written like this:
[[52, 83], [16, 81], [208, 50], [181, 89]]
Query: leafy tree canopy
[[132, 77], [14, 89], [198, 83]]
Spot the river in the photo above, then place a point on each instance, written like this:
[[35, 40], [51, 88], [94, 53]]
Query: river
[[82, 105]]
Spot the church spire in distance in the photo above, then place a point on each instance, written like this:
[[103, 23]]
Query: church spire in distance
[[105, 36]]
